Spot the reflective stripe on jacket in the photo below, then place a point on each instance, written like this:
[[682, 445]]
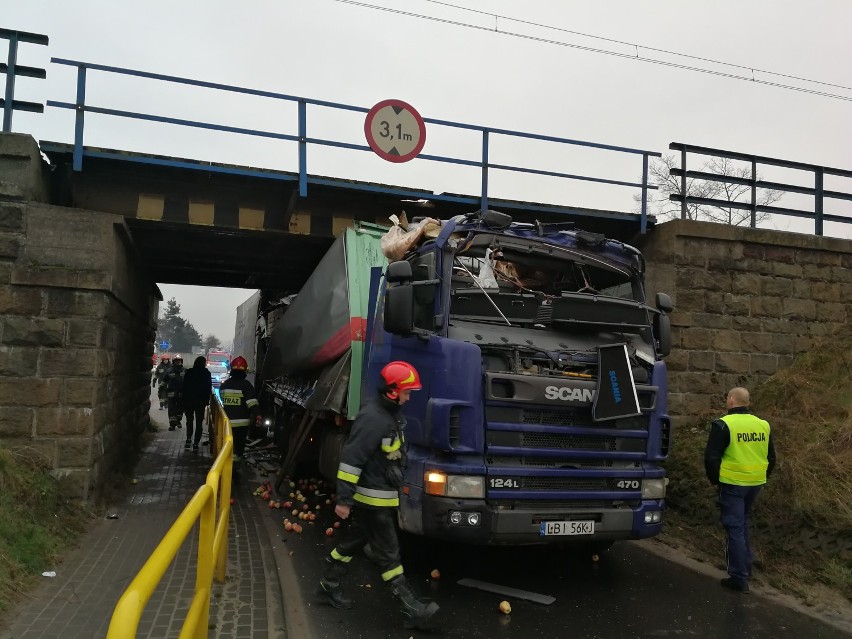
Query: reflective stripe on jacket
[[746, 458], [238, 400], [373, 446]]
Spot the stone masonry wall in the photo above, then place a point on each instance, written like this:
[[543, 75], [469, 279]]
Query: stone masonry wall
[[747, 301], [77, 320]]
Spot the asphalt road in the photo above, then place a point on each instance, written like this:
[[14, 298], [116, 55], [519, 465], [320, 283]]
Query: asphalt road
[[628, 593]]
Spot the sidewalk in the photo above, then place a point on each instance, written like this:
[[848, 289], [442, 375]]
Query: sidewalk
[[78, 603]]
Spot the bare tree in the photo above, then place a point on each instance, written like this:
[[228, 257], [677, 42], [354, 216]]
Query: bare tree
[[659, 203]]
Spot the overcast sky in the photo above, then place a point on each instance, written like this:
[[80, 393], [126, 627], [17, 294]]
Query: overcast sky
[[341, 52]]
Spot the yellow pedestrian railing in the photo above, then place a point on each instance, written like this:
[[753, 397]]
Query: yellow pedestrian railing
[[212, 542]]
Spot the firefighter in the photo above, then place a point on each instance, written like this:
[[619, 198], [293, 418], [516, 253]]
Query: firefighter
[[174, 391], [160, 379], [239, 400], [368, 482]]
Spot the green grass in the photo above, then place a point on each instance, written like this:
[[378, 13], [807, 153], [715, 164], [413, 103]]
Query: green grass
[[37, 522], [809, 406]]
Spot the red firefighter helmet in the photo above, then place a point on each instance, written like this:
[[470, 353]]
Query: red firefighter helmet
[[164, 357], [400, 376], [239, 364]]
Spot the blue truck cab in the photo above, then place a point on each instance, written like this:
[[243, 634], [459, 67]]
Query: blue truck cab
[[506, 323]]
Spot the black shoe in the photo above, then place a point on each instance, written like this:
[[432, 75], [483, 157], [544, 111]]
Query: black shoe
[[171, 427], [186, 445], [737, 586], [179, 425], [333, 596], [418, 612], [195, 447]]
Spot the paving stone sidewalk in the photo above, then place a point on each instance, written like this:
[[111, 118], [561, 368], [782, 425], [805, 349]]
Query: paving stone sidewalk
[[79, 601]]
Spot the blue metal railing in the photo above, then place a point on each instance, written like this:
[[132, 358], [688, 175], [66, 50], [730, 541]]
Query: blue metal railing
[[81, 108], [12, 69]]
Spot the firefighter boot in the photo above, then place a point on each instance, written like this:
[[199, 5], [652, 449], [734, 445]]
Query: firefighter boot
[[329, 591], [418, 613]]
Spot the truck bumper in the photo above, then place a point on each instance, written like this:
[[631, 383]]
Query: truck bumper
[[522, 526]]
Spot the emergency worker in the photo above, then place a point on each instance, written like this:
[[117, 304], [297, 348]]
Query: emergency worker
[[239, 400], [738, 458], [368, 482], [160, 379], [174, 391]]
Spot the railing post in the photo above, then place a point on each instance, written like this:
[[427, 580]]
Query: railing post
[[80, 114], [483, 197], [753, 193], [303, 149], [204, 568], [818, 201], [643, 221], [10, 83], [683, 183]]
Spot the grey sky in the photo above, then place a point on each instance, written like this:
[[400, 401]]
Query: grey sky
[[343, 53]]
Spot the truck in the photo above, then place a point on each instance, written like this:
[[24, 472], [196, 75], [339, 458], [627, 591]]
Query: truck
[[543, 413]]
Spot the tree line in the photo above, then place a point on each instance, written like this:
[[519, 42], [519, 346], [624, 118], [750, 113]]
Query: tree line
[[180, 333]]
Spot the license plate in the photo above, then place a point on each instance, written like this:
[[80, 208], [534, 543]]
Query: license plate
[[549, 528]]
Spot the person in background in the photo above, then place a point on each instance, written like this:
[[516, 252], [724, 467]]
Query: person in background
[[368, 482], [738, 459], [174, 391], [197, 388], [239, 400], [160, 379]]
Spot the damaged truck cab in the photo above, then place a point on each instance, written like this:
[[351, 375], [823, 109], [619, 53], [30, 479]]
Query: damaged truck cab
[[543, 414]]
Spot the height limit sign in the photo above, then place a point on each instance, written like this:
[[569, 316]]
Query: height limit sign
[[395, 131]]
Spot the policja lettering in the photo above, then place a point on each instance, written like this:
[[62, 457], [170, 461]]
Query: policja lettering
[[751, 437]]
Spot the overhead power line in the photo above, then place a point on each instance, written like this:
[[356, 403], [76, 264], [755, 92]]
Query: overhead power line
[[637, 56]]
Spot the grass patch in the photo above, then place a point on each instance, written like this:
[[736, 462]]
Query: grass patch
[[38, 521], [806, 507]]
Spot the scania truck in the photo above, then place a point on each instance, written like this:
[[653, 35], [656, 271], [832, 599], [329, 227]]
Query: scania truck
[[543, 414]]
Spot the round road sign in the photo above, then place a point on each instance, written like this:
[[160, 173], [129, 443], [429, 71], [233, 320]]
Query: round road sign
[[395, 131]]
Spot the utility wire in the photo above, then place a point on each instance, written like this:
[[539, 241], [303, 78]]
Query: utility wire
[[617, 54]]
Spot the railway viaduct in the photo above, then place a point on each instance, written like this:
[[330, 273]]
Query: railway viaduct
[[81, 253]]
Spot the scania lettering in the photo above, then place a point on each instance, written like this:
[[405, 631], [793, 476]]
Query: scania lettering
[[506, 322], [569, 394]]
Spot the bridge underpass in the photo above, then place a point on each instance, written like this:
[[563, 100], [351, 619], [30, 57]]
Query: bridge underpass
[[82, 251]]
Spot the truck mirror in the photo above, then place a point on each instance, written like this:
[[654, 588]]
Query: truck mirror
[[399, 309], [398, 272], [663, 333], [664, 303]]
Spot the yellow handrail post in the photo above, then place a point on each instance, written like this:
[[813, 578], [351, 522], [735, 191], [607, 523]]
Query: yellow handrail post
[[206, 559], [224, 513]]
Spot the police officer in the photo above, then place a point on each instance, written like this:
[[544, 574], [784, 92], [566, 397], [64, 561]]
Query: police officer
[[239, 400], [738, 458], [173, 383], [369, 479]]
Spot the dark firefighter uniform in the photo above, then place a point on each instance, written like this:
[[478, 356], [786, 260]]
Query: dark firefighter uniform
[[369, 477], [239, 400], [738, 458], [173, 383]]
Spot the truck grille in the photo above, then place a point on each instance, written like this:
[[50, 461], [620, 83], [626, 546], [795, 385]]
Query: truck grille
[[554, 416], [549, 462], [555, 440]]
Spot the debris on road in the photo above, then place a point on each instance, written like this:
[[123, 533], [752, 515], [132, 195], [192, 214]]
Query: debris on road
[[507, 591]]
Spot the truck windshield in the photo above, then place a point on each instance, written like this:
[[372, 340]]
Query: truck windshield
[[547, 288]]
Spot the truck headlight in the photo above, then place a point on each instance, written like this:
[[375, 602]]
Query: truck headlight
[[654, 488], [460, 486]]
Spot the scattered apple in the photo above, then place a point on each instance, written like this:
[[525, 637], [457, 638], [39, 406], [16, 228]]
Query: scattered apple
[[232, 501], [435, 574], [305, 507], [596, 558], [297, 528], [288, 505], [328, 502], [329, 532], [505, 607], [295, 512], [337, 524], [288, 527]]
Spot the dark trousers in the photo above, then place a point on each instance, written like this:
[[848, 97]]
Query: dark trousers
[[735, 504], [374, 526], [194, 414], [175, 412], [240, 435]]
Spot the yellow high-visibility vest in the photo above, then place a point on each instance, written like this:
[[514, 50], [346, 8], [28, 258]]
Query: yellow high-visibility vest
[[744, 462]]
